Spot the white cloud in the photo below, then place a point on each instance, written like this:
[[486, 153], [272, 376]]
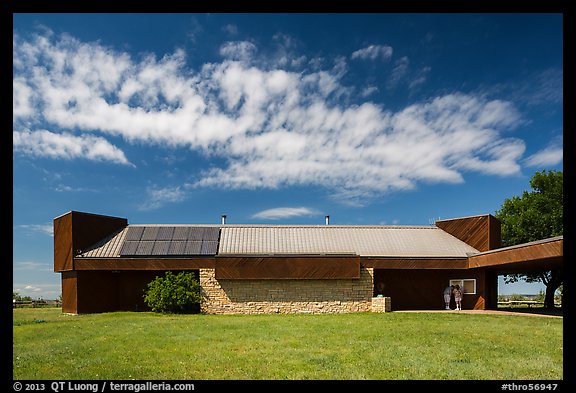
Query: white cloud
[[269, 127], [284, 212], [158, 197], [32, 265], [231, 29], [46, 291], [238, 50], [47, 229], [398, 72], [43, 143], [551, 155], [373, 52]]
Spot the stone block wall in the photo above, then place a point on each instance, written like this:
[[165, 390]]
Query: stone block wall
[[286, 296], [381, 304]]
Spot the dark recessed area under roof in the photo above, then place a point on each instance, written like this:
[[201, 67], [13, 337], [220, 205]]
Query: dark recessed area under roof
[[170, 240]]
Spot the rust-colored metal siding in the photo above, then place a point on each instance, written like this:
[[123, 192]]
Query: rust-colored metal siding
[[144, 263], [541, 255], [423, 289], [75, 231], [289, 267], [415, 263], [63, 243], [481, 232], [88, 229], [69, 292]]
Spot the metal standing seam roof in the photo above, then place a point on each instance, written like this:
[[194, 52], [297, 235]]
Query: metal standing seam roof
[[377, 241], [382, 241], [108, 247]]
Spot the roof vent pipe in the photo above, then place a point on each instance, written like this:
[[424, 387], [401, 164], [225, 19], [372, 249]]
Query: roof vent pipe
[[223, 219], [327, 220]]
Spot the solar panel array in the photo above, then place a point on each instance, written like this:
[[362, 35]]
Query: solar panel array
[[170, 240]]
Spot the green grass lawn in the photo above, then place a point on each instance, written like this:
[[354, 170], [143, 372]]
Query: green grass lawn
[[402, 346]]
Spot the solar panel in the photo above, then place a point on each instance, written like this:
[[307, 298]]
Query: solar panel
[[144, 248], [160, 247], [165, 233], [181, 233], [129, 247], [150, 233], [193, 248], [196, 233], [211, 234], [134, 233], [177, 247], [170, 240], [209, 248]]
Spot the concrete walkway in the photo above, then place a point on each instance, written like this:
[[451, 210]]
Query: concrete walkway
[[523, 312]]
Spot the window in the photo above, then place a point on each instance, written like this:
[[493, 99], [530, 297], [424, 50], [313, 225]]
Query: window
[[468, 285]]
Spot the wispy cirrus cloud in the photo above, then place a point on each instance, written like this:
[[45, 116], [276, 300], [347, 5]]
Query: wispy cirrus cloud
[[284, 212], [268, 126], [158, 197], [551, 155], [33, 265], [47, 229], [43, 143], [373, 52]]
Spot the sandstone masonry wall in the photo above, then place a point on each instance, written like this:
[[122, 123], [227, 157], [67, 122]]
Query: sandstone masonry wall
[[285, 296]]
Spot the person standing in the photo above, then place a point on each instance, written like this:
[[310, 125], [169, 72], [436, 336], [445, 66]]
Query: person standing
[[458, 296], [447, 295]]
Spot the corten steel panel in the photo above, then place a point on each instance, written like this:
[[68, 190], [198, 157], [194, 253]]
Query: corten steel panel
[[69, 292], [539, 256], [63, 243], [88, 229], [495, 233], [247, 268], [476, 231], [423, 289], [415, 263], [75, 231], [148, 263]]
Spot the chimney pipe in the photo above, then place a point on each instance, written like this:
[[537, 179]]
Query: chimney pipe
[[327, 220], [223, 219]]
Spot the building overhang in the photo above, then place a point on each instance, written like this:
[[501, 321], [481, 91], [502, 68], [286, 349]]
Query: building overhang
[[541, 255], [415, 262]]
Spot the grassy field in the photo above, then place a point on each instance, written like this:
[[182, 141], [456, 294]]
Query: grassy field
[[401, 346]]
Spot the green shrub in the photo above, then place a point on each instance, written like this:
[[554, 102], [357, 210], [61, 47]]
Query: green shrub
[[173, 293]]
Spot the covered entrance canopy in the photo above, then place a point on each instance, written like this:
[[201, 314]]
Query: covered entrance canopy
[[541, 255]]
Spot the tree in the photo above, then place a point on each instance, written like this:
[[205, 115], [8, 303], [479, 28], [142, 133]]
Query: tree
[[536, 215], [173, 293]]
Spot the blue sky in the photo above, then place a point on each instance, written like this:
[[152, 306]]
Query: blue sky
[[395, 119]]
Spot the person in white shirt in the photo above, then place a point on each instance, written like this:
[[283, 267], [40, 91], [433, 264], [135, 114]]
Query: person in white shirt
[[458, 297]]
